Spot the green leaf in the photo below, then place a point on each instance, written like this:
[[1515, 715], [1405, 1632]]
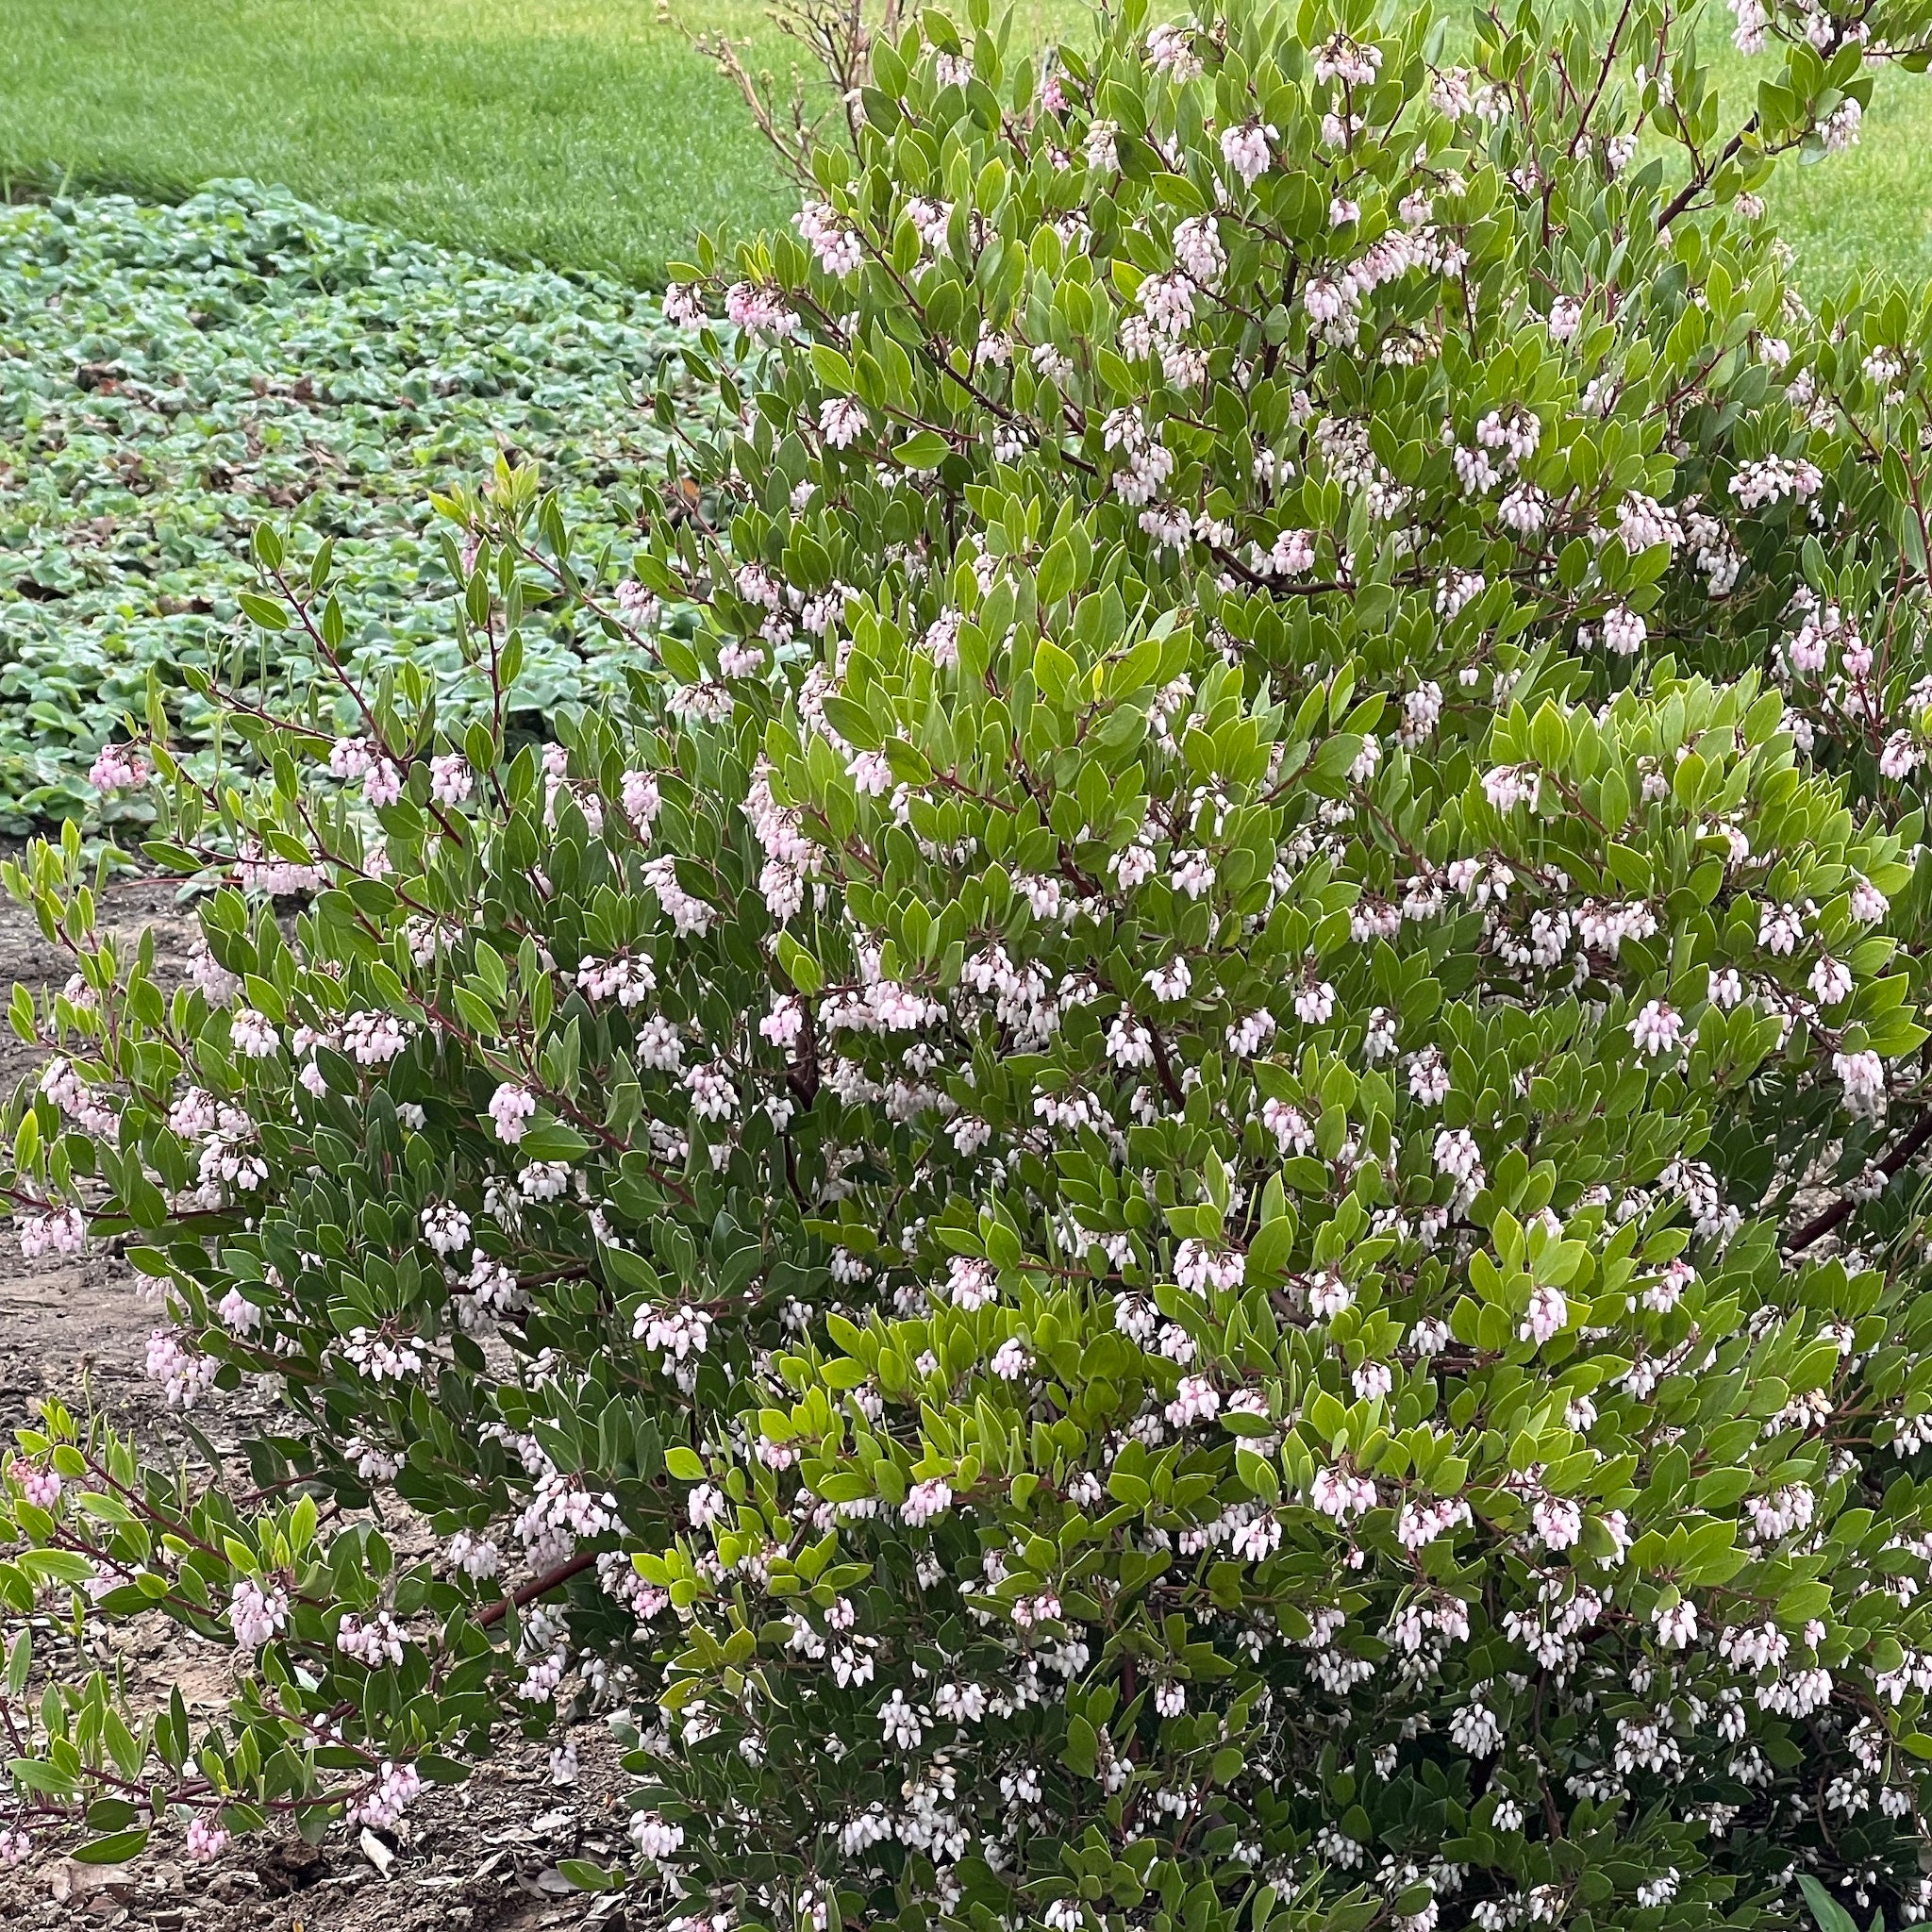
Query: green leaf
[[586, 1876], [1830, 1915], [1082, 1752], [264, 612], [56, 1565], [1057, 578], [927, 449], [799, 966], [117, 1848], [553, 1140]]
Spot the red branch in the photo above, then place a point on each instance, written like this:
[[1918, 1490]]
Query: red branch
[[538, 1586], [1914, 1138]]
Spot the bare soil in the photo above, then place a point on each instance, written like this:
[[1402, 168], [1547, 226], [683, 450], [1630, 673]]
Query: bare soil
[[480, 1857]]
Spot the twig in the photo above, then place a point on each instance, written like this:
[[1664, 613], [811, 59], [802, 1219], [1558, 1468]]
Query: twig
[[1914, 1138], [538, 1586]]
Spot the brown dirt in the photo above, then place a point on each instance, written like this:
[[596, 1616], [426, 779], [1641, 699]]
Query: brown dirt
[[479, 1857]]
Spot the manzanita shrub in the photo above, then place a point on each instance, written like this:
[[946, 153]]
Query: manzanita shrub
[[1183, 1188]]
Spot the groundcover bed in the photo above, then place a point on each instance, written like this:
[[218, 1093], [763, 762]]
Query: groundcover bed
[[171, 375]]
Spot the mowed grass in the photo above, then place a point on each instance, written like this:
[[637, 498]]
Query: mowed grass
[[589, 133], [1869, 209], [578, 133]]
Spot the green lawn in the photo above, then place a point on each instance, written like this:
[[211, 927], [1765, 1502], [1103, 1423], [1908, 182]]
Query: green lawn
[[582, 133], [1869, 208]]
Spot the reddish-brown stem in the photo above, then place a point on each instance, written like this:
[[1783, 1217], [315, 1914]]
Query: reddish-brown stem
[[538, 1586]]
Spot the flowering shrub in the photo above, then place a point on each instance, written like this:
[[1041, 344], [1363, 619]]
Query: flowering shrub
[[1184, 1187]]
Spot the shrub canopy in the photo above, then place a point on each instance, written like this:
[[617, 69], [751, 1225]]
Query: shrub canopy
[[1181, 1187]]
